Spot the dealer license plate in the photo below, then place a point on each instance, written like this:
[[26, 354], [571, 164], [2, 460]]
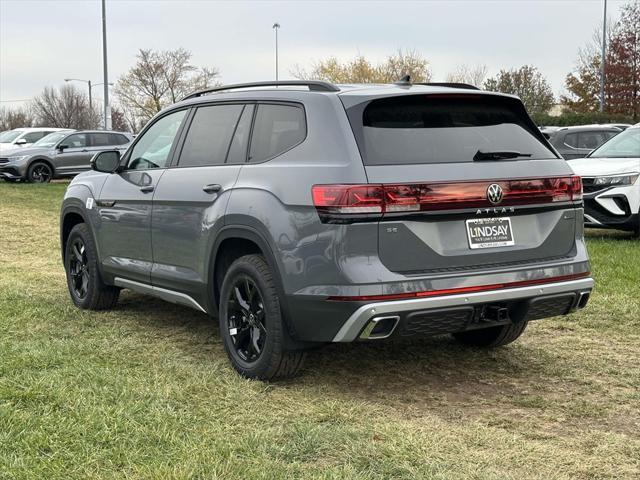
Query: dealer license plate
[[489, 232]]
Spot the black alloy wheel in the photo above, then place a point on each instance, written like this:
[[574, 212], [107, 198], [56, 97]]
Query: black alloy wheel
[[79, 268], [246, 319]]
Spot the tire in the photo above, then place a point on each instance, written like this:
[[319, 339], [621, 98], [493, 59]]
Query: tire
[[39, 172], [492, 336], [86, 288], [251, 324]]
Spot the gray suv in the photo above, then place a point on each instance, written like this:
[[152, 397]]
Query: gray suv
[[578, 142], [301, 213], [59, 154]]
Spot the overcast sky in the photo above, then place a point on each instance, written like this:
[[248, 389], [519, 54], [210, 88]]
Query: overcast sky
[[43, 42]]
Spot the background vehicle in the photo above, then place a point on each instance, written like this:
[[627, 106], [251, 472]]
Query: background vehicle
[[23, 137], [334, 214], [611, 179], [59, 154], [578, 142]]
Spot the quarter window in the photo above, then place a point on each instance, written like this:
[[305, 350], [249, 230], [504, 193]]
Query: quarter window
[[277, 128], [153, 148], [571, 140], [209, 135]]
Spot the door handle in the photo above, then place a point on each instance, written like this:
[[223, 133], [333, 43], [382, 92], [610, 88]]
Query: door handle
[[212, 188], [85, 150], [147, 189]]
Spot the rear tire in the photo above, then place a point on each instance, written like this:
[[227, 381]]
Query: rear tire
[[86, 288], [39, 172], [492, 336], [251, 323]]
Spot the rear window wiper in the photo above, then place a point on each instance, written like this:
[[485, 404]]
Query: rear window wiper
[[498, 155]]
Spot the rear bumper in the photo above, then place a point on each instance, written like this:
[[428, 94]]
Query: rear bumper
[[454, 313]]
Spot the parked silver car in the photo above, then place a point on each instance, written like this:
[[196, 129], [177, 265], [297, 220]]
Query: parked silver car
[[59, 154]]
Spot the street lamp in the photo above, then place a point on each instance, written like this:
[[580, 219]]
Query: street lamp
[[276, 27], [107, 109], [603, 60], [88, 82]]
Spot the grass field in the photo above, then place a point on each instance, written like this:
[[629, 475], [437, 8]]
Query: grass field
[[145, 391]]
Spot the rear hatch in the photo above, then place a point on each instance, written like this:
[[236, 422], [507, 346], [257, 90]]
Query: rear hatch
[[467, 181]]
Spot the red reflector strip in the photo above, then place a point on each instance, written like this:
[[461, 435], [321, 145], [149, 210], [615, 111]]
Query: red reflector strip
[[460, 290]]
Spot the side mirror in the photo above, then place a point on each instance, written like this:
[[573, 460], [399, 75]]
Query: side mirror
[[62, 146], [20, 141], [106, 161]]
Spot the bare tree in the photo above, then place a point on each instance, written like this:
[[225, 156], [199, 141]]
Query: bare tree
[[471, 74], [158, 79], [11, 118], [66, 107], [361, 70]]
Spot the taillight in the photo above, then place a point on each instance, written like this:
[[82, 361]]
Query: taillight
[[338, 203], [348, 199], [576, 188]]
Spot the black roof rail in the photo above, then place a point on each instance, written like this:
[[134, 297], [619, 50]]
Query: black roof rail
[[314, 86], [465, 86]]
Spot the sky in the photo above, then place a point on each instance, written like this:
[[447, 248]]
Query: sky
[[42, 42]]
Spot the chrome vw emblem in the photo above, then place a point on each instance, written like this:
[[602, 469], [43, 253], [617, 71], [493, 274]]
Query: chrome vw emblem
[[494, 193]]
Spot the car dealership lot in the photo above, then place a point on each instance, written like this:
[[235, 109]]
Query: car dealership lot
[[145, 391]]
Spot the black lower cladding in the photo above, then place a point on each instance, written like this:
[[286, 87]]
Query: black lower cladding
[[628, 221]]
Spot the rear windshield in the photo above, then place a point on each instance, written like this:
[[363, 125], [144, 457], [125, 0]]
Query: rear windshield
[[437, 129]]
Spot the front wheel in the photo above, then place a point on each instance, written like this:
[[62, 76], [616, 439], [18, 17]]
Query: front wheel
[[251, 324], [492, 336], [83, 278], [40, 172]]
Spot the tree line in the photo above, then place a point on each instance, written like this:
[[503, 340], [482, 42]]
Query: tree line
[[160, 78]]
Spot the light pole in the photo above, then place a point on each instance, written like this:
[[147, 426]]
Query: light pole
[[107, 110], [276, 27], [88, 82], [603, 61]]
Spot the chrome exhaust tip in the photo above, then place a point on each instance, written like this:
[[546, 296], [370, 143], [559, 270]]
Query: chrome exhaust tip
[[380, 327], [583, 299]]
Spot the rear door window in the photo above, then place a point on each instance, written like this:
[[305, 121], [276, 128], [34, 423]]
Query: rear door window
[[100, 139], [209, 135], [423, 129], [571, 140], [277, 128], [238, 148], [591, 140]]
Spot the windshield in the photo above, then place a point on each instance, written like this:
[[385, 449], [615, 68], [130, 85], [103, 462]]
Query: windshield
[[9, 136], [51, 139], [623, 145], [417, 129]]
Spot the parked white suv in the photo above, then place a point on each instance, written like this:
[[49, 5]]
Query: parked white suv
[[611, 181], [23, 137]]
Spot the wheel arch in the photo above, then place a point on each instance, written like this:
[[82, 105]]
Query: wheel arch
[[245, 240], [41, 160]]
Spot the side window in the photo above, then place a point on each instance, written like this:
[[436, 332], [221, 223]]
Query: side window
[[209, 135], [238, 148], [154, 146], [99, 139], [277, 128], [590, 140], [118, 139], [571, 140], [34, 136], [78, 140]]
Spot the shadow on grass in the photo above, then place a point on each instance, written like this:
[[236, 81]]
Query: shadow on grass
[[417, 372]]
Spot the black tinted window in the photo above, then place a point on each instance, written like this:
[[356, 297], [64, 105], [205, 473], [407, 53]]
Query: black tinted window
[[100, 139], [592, 140], [118, 139], [277, 128], [571, 140], [417, 129], [238, 148], [209, 135]]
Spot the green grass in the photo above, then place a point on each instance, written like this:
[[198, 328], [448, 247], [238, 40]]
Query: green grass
[[145, 391]]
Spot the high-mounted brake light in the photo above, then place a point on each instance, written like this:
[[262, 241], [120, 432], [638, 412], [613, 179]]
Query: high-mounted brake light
[[349, 202]]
